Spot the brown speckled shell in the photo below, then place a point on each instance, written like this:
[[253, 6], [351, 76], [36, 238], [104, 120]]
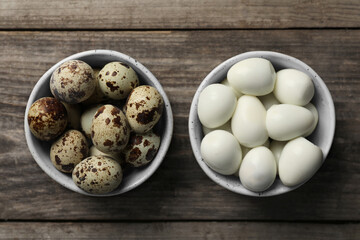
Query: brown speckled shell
[[117, 79], [73, 82], [97, 174], [47, 118], [144, 107], [98, 96], [141, 149], [69, 150], [110, 131]]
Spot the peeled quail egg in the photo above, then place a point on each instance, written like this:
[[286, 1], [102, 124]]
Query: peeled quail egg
[[109, 130], [276, 148], [221, 152], [117, 80], [299, 161], [69, 150], [144, 107], [73, 82], [96, 152], [248, 122], [226, 83], [47, 118], [142, 148], [258, 169], [268, 100], [226, 127], [252, 76], [286, 121], [97, 174], [294, 87], [314, 111], [216, 105], [87, 118]]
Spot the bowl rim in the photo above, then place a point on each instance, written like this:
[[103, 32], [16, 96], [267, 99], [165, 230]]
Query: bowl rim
[[193, 118], [165, 141]]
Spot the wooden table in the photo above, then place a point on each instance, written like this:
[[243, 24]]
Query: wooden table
[[180, 42]]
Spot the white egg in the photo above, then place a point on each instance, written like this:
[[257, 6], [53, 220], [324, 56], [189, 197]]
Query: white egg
[[216, 105], [221, 152], [293, 87], [268, 100], [87, 118], [276, 148], [299, 161], [286, 121], [258, 169], [253, 76], [248, 122], [226, 127], [314, 111], [226, 83]]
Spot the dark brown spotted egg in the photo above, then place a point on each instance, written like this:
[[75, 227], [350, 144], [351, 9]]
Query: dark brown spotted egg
[[142, 148], [69, 150], [97, 96], [73, 82], [47, 118], [97, 174], [109, 130], [144, 107], [117, 79]]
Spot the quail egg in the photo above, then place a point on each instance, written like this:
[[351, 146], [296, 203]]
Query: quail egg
[[144, 107], [117, 79], [69, 150], [73, 113], [96, 152], [142, 148], [97, 96], [97, 174], [47, 118], [73, 82], [87, 118], [109, 130]]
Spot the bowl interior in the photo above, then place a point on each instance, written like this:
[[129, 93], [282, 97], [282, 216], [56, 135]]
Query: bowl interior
[[133, 177], [322, 136]]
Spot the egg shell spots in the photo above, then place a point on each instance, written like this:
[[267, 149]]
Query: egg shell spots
[[117, 80], [144, 108], [73, 82], [69, 150], [141, 149], [47, 118], [110, 131], [97, 174]]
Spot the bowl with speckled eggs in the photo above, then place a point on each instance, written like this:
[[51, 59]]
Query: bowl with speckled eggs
[[40, 150], [321, 137]]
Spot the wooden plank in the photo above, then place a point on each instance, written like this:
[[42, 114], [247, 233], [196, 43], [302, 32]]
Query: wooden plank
[[163, 14], [179, 189], [178, 230]]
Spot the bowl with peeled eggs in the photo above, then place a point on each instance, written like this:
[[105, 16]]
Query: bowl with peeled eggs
[[98, 122], [261, 123]]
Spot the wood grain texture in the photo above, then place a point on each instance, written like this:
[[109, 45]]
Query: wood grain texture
[[185, 14], [178, 230], [179, 190]]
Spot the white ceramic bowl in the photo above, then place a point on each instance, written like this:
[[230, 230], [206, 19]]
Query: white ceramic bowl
[[98, 58], [322, 136]]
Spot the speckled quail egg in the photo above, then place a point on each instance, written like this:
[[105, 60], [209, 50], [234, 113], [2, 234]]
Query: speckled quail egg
[[97, 174], [142, 148], [96, 152], [73, 82], [69, 150], [109, 130], [144, 107], [117, 79], [97, 96], [87, 118], [47, 118], [73, 113]]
